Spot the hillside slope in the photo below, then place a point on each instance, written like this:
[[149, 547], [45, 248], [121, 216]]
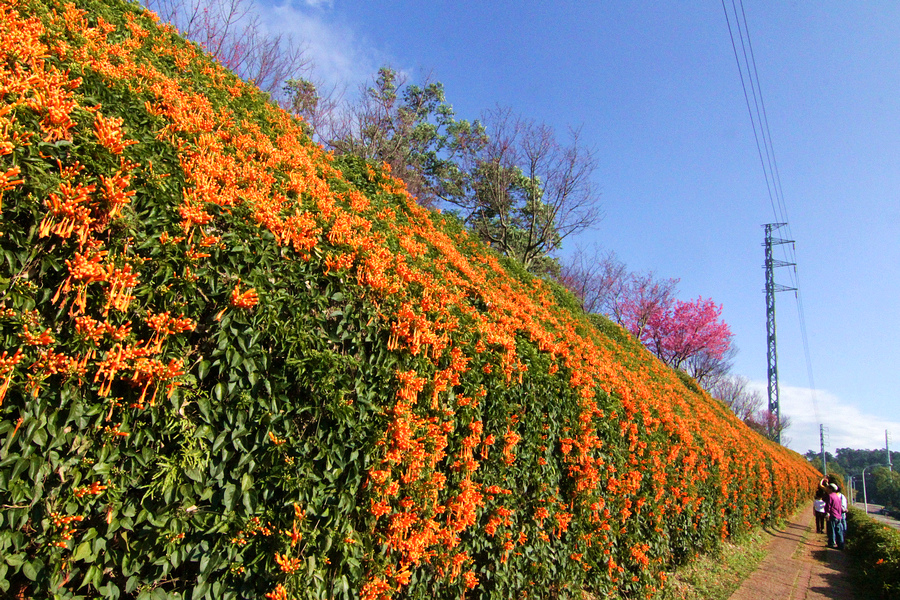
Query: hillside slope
[[234, 365]]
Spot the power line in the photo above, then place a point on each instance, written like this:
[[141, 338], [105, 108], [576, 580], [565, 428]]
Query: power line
[[765, 148], [759, 120], [773, 165], [753, 119]]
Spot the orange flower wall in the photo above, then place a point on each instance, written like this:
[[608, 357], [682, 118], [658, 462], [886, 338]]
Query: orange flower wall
[[237, 366]]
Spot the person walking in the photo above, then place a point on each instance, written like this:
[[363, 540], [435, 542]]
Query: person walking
[[843, 512], [819, 510], [834, 514]]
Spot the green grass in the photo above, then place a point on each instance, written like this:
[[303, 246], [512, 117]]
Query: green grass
[[717, 575]]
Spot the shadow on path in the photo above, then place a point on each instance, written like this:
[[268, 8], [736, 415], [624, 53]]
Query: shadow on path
[[799, 566]]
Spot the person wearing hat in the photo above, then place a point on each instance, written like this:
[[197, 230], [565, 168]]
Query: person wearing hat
[[834, 515], [844, 509]]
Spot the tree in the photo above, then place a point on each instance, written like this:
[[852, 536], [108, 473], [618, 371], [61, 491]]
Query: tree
[[689, 336], [747, 405], [523, 191], [595, 278], [765, 421], [708, 369], [412, 129], [640, 300], [231, 31], [319, 111], [686, 333], [887, 487], [854, 461], [734, 392], [831, 464]]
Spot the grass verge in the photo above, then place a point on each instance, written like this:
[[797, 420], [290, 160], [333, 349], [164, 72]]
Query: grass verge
[[717, 575]]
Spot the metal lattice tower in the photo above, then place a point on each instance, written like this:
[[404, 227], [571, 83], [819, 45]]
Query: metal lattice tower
[[772, 353]]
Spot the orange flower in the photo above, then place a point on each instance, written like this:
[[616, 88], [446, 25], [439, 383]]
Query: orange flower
[[471, 579], [279, 593], [287, 564], [109, 133], [375, 589], [245, 300], [94, 490], [43, 339], [562, 521], [379, 509], [7, 364], [69, 213], [7, 182], [116, 193]]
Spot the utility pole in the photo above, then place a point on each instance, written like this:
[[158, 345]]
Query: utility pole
[[772, 354], [822, 443], [887, 448]]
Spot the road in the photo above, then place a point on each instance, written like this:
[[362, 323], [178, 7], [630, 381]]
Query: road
[[873, 512]]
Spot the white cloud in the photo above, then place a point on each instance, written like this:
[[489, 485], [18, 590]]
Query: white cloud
[[845, 425], [341, 59]]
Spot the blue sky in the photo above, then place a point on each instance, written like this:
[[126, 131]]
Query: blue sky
[[656, 91]]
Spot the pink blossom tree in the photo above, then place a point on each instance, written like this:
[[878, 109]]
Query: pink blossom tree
[[686, 330], [690, 336], [641, 301]]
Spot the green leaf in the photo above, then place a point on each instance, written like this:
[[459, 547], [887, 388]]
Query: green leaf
[[30, 571], [15, 560], [110, 590], [203, 405], [82, 552], [228, 496], [200, 589]]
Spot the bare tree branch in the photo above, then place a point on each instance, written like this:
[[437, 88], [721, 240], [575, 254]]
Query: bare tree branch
[[527, 192], [231, 31], [595, 277]]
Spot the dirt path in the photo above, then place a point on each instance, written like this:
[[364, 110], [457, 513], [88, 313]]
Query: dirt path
[[799, 566]]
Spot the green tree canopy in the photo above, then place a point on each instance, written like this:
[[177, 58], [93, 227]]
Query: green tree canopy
[[412, 129], [524, 191]]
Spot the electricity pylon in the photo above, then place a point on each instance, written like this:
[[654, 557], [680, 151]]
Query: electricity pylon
[[772, 354]]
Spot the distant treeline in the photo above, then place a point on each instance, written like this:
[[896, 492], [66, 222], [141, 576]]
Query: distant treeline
[[882, 482]]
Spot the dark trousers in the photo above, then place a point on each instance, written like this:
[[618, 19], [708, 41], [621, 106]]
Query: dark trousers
[[820, 521]]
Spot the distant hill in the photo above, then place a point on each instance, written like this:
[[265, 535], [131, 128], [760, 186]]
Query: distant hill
[[233, 365]]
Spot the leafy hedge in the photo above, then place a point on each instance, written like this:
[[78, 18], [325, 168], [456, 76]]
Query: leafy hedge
[[874, 550], [234, 365]]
